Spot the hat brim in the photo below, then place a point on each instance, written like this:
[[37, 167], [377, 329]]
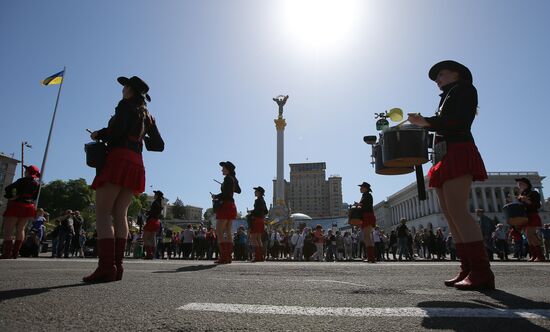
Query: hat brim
[[464, 72], [123, 80]]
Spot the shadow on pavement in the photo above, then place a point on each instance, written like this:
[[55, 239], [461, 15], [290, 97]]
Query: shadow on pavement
[[16, 293], [192, 268], [504, 300]]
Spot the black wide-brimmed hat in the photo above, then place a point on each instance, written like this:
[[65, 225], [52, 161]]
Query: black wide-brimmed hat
[[461, 69], [526, 181], [137, 84], [227, 164], [365, 184], [260, 189], [158, 192]]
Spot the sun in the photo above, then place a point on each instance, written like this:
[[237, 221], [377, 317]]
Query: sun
[[320, 25]]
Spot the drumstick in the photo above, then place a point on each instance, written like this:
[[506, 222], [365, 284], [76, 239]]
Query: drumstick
[[218, 182], [399, 124]]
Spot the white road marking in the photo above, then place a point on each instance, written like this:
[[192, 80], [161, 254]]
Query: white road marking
[[335, 281], [367, 312]]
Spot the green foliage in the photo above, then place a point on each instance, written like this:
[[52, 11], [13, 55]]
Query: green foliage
[[58, 196], [178, 209]]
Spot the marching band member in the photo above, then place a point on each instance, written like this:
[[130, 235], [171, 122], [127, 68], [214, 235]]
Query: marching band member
[[531, 200], [123, 174], [227, 212], [21, 196], [152, 225], [458, 163], [258, 224], [369, 220]]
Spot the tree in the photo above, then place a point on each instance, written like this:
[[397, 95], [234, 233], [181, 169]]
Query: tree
[[59, 196], [178, 209]]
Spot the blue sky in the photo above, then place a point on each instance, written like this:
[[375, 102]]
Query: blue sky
[[213, 67]]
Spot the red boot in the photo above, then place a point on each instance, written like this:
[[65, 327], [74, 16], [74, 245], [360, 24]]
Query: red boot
[[120, 246], [15, 250], [370, 255], [532, 253], [464, 267], [260, 253], [222, 255], [539, 254], [106, 270], [480, 277], [7, 249]]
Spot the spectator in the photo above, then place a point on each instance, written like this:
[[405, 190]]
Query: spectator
[[393, 244], [39, 228], [487, 227], [501, 240], [66, 233], [451, 246], [340, 251], [378, 245], [402, 239], [348, 246], [299, 244], [319, 241], [330, 240], [78, 222], [546, 239], [187, 243]]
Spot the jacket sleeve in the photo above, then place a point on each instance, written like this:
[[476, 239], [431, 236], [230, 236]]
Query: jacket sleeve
[[457, 117], [153, 140], [366, 202], [534, 197]]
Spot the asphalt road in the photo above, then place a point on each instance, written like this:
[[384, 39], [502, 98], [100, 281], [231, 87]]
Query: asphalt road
[[47, 295]]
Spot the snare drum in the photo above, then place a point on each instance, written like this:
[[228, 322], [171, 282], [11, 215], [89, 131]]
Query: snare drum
[[405, 146], [95, 154], [515, 214], [355, 216], [379, 167]]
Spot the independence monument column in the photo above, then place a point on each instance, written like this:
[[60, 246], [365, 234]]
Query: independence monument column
[[280, 211]]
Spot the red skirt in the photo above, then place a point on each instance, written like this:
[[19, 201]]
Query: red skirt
[[258, 225], [228, 211], [152, 225], [534, 220], [369, 219], [123, 167], [20, 210], [461, 159]]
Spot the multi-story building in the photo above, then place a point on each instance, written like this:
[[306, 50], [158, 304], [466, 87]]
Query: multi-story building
[[490, 195], [192, 212], [7, 173], [309, 192]]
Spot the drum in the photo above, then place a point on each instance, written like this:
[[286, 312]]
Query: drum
[[95, 154], [405, 146], [379, 167], [515, 214], [355, 216]]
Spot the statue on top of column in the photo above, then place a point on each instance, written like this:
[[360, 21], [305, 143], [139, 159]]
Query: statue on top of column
[[281, 101]]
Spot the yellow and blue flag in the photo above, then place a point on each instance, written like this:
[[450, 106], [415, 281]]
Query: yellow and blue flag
[[54, 79]]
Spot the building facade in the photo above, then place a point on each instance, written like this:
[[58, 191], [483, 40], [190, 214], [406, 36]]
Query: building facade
[[192, 212], [490, 195], [7, 174], [309, 191]]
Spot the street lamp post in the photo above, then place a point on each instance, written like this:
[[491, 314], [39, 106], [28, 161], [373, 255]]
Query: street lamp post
[[23, 145]]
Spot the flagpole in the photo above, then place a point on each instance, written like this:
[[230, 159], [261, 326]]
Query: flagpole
[[43, 168]]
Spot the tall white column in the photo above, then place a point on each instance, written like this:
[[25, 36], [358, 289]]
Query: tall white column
[[502, 196], [542, 201], [494, 198], [474, 197], [484, 199]]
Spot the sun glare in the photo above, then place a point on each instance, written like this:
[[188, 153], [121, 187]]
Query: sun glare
[[320, 25]]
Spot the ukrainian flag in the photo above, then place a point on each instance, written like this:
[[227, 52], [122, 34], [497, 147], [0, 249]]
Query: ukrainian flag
[[54, 79]]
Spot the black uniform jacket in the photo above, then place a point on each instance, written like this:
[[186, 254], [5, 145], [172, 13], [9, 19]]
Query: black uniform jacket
[[156, 209], [366, 203], [128, 129], [534, 197], [260, 208], [457, 110], [26, 190], [230, 185]]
